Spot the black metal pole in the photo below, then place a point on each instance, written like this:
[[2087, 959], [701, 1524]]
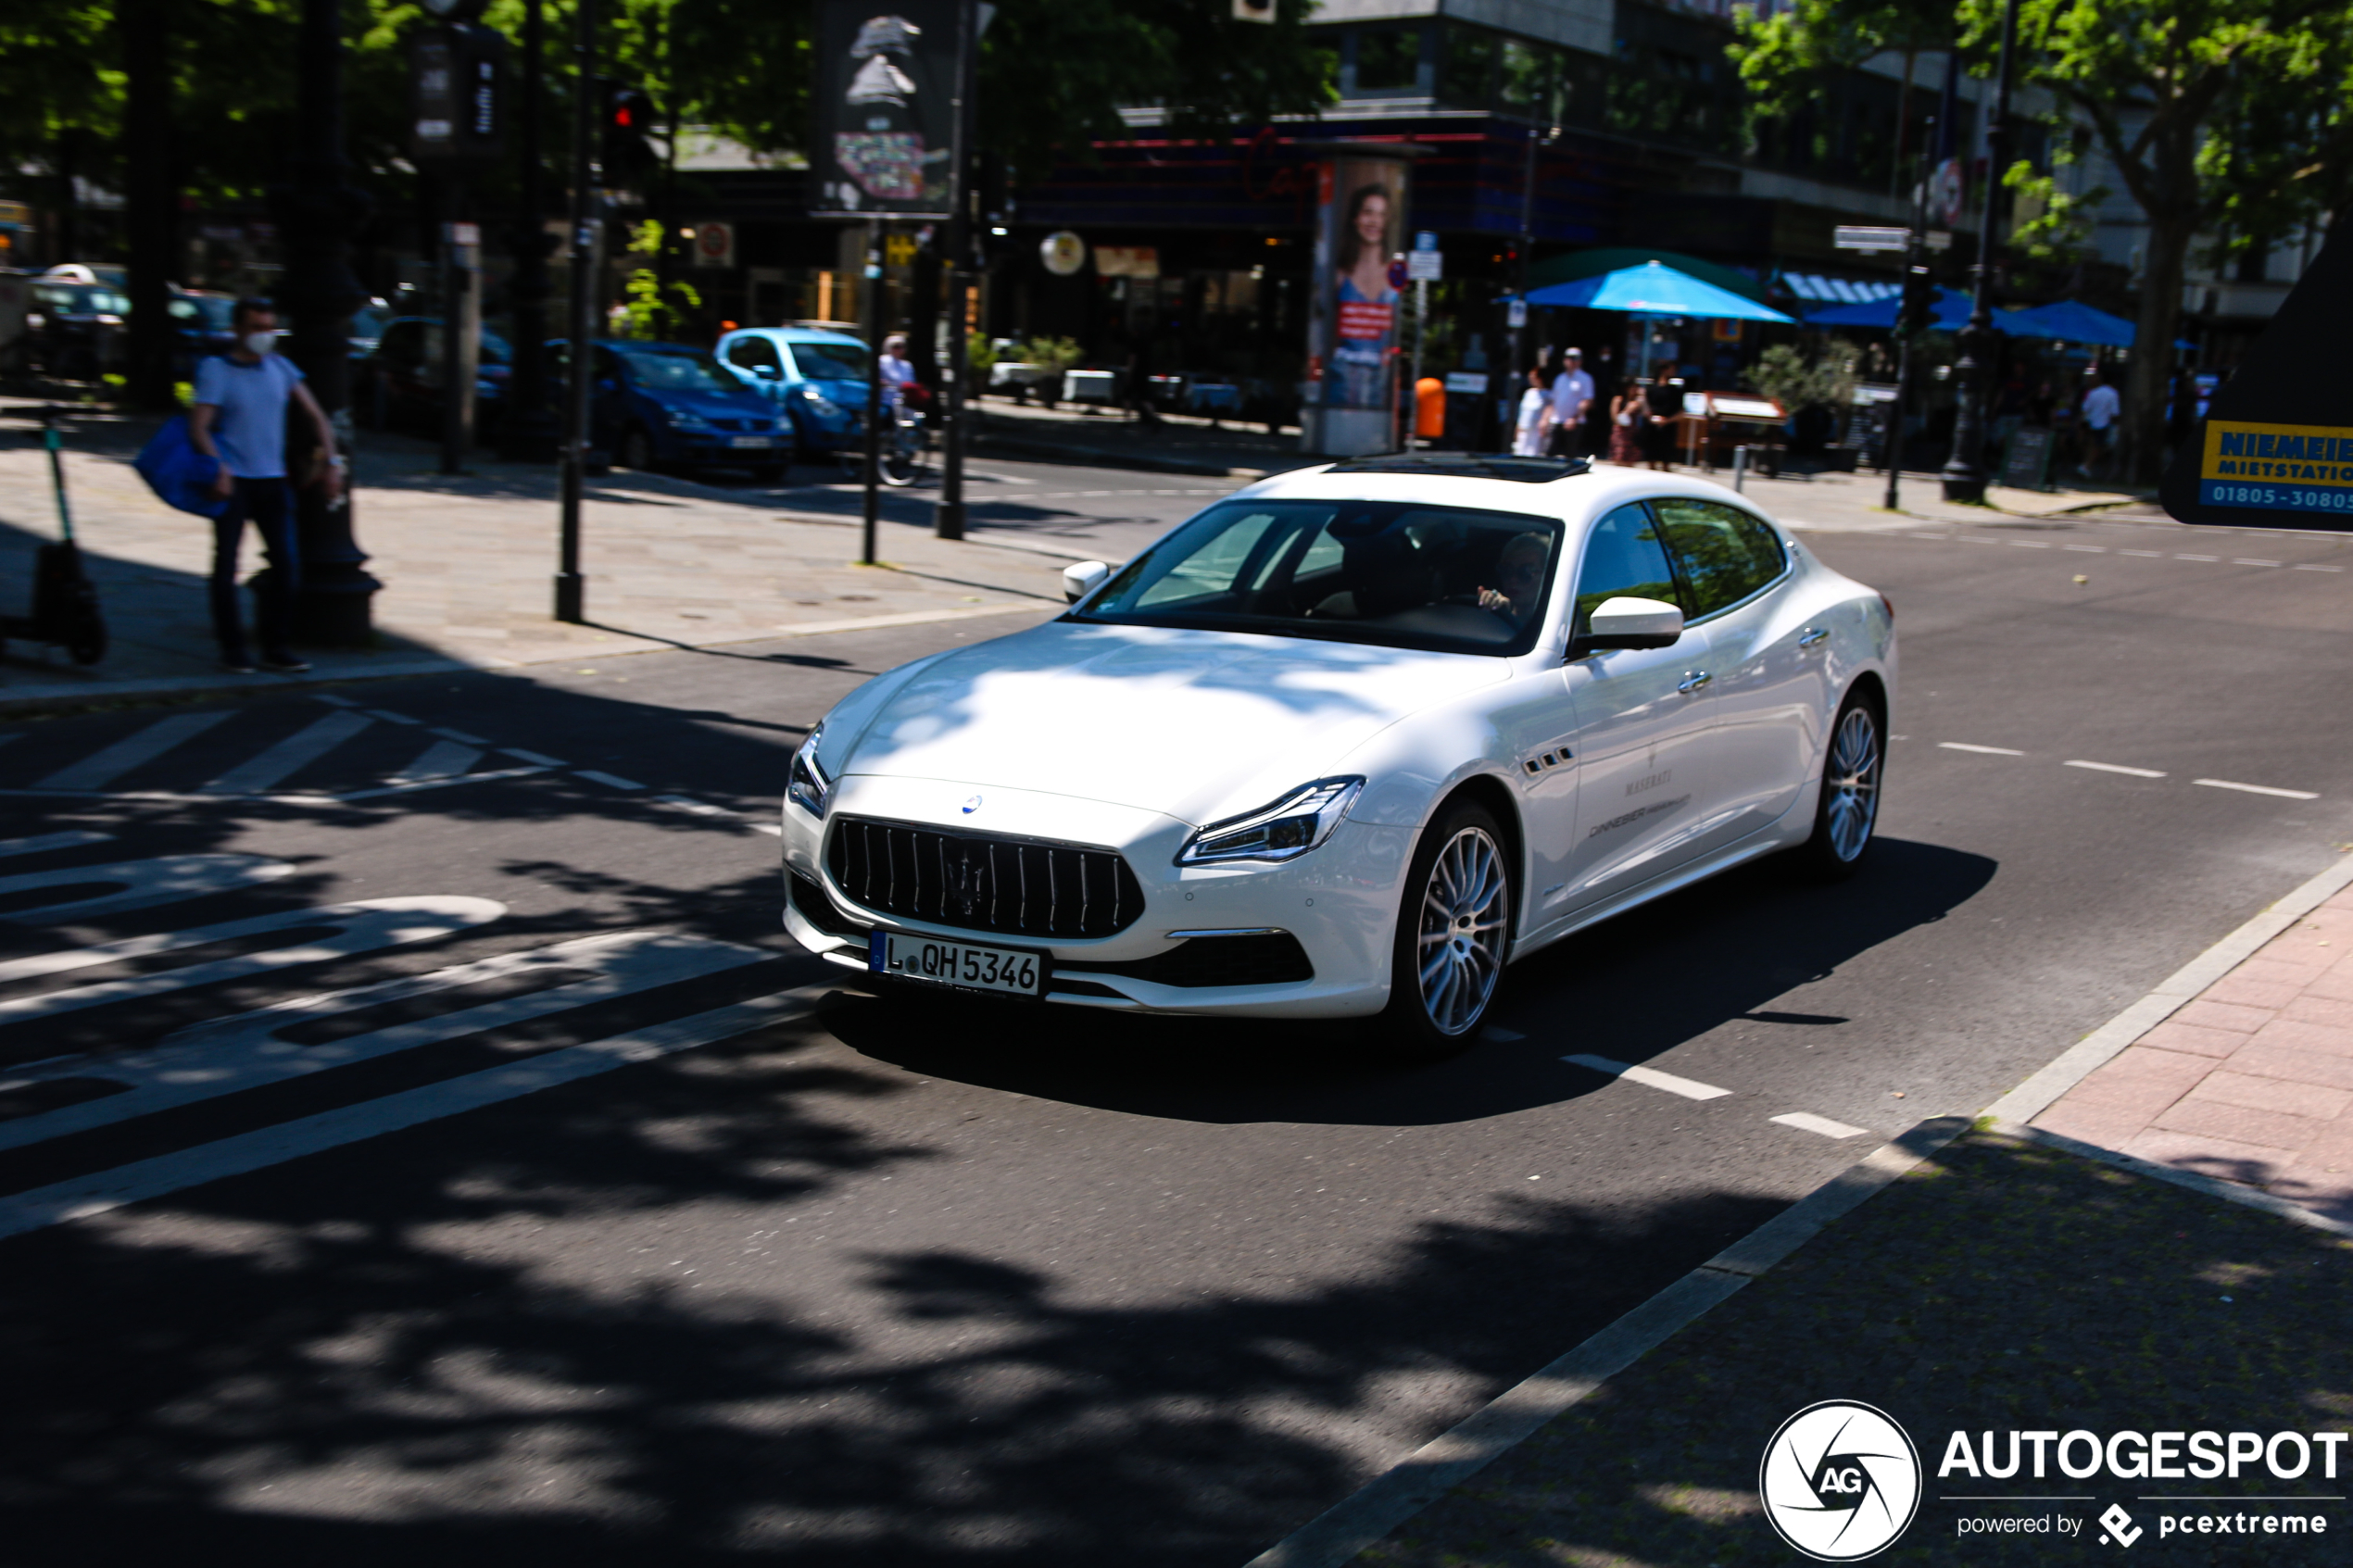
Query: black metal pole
[[1894, 449], [318, 212], [1964, 474], [588, 220], [947, 518], [527, 430], [454, 432], [876, 413]]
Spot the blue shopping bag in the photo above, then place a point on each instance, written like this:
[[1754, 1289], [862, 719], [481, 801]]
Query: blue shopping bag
[[177, 472]]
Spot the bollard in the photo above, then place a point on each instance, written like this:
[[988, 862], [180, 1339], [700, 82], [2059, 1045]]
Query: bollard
[[1739, 469]]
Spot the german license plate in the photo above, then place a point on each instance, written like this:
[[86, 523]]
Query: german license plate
[[964, 965], [751, 442]]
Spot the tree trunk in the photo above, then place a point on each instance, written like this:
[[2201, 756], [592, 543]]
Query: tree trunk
[[2163, 265], [151, 204]]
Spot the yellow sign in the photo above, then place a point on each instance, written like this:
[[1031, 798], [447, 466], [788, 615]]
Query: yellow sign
[[2288, 468], [898, 249]]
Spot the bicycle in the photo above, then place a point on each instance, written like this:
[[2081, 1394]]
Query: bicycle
[[905, 455]]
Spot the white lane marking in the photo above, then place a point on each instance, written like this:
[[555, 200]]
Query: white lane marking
[[521, 756], [459, 736], [289, 756], [2087, 550], [166, 879], [1806, 1121], [226, 1055], [2249, 561], [411, 786], [442, 760], [47, 841], [343, 929], [2198, 558], [1974, 539], [774, 829], [86, 1196], [2152, 555], [1987, 750], [2117, 768], [1650, 1077], [389, 716], [101, 769], [608, 780], [2318, 569], [331, 700], [2028, 544], [2257, 789], [686, 803]]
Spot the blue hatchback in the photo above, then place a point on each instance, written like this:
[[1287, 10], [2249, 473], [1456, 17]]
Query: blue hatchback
[[818, 378], [666, 405]]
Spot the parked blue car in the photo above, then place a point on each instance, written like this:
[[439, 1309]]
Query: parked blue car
[[817, 377], [666, 405]]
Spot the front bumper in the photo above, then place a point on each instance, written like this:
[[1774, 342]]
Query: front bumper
[[1339, 903]]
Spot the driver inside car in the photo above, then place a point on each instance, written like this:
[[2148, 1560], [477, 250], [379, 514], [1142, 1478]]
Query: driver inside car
[[1519, 566]]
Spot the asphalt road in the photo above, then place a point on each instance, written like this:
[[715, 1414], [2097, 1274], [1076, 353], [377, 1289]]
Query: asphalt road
[[974, 1287]]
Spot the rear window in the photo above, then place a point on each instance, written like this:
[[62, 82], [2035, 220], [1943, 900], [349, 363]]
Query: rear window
[[1393, 573]]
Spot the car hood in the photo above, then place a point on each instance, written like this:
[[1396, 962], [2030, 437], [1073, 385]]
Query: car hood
[[848, 393], [713, 405], [1197, 725]]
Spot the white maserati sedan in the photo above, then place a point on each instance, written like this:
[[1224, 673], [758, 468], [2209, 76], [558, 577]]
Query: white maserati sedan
[[1346, 744]]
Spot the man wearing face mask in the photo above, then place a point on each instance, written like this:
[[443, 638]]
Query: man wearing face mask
[[240, 418]]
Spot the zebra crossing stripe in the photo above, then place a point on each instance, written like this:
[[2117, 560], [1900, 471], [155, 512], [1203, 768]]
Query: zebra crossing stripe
[[298, 750], [83, 1196], [224, 1056], [167, 878], [442, 760], [407, 786], [341, 931], [102, 768], [42, 842]]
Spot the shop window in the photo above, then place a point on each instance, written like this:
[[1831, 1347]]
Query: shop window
[[1467, 79], [1388, 59], [1532, 78]]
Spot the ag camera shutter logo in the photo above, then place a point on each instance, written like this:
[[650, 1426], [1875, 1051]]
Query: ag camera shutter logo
[[1840, 1481]]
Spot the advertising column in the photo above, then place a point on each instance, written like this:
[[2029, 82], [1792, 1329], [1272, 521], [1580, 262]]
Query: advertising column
[[1353, 321]]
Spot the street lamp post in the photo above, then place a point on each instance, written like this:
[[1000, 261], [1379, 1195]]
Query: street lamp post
[[317, 212], [528, 432], [587, 222], [1964, 476], [949, 517]]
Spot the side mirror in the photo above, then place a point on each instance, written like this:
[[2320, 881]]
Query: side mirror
[[1629, 623], [1083, 579], [769, 372]]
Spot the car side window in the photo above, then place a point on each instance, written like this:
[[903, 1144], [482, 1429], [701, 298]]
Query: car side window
[[754, 353], [1726, 554], [1623, 558]]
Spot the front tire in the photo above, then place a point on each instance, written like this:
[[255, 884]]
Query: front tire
[[1846, 815], [637, 450], [1453, 932]]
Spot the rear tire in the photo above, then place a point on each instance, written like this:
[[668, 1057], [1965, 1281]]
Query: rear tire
[[637, 450], [1846, 813], [1453, 932]]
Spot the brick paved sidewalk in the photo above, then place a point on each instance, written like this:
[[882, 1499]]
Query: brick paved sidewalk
[[2252, 1081]]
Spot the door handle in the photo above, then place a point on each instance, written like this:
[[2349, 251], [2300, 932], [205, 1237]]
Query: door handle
[[1813, 635], [1693, 681]]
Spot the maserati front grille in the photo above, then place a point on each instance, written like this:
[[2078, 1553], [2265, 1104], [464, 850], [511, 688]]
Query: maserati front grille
[[984, 882]]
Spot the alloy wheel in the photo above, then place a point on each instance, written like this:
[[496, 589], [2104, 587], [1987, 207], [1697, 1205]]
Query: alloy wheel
[[1465, 917], [1851, 808]]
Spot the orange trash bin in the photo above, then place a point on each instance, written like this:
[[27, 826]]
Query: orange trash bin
[[1429, 406]]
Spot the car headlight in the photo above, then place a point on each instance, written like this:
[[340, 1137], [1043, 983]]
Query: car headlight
[[1289, 828], [681, 419], [820, 402], [808, 787]]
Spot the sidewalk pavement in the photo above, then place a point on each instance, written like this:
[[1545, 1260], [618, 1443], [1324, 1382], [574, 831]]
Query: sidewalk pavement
[[468, 564]]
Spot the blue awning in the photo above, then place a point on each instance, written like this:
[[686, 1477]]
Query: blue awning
[[1656, 289], [1822, 289], [2073, 321], [1952, 314]]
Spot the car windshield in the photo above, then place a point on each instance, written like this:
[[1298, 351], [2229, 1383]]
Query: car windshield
[[830, 361], [210, 309], [1396, 573], [677, 369], [85, 299]]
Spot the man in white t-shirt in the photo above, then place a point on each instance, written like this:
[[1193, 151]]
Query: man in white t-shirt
[[1572, 401], [2102, 407], [240, 419]]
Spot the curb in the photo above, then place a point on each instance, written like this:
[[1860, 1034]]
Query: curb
[[1368, 1515], [59, 698]]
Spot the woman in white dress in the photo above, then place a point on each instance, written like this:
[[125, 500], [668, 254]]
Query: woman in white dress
[[1535, 417]]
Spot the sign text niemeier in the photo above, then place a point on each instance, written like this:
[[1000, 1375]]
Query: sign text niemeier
[[2281, 467]]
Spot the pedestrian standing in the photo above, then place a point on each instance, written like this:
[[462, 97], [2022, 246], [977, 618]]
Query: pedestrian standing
[[1627, 412], [1664, 406], [1572, 401], [240, 419], [1535, 416], [2101, 406]]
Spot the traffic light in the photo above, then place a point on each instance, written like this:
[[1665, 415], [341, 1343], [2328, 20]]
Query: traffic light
[[629, 154], [1918, 312]]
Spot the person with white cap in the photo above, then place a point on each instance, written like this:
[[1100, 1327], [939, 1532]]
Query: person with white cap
[[1572, 401]]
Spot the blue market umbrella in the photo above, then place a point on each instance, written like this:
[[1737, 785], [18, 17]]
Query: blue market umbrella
[[2073, 321], [1952, 314], [1656, 289]]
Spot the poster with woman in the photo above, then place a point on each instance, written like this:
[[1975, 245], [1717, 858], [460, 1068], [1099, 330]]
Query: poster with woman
[[1362, 218]]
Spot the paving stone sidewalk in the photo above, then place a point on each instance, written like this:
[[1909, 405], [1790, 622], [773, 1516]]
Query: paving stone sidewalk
[[2002, 1285], [468, 563], [2252, 1081]]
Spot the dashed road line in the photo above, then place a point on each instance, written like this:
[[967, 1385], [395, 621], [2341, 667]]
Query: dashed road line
[[2257, 789], [389, 716], [413, 785], [609, 780], [2116, 768], [535, 759], [1806, 1121], [2249, 561], [2087, 550], [2215, 558], [2152, 555], [1986, 750], [2309, 567], [1650, 1077]]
